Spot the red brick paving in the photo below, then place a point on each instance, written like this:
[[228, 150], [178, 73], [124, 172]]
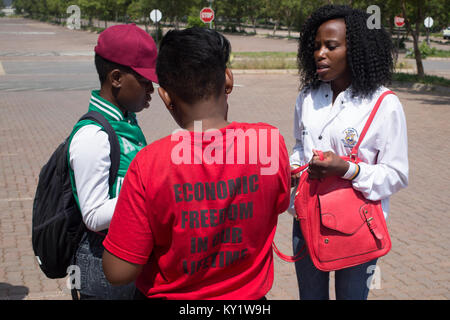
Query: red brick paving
[[34, 123]]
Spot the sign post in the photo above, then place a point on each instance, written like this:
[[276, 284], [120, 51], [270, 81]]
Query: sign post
[[156, 16], [428, 24], [207, 16], [210, 5], [399, 23]]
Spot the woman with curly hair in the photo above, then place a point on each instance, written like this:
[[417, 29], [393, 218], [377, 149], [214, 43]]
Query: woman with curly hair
[[343, 67]]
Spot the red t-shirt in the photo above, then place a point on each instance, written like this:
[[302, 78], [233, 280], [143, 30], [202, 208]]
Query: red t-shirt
[[200, 210]]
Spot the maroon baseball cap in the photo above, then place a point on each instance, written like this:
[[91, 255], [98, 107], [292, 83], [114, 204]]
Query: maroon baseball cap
[[130, 46]]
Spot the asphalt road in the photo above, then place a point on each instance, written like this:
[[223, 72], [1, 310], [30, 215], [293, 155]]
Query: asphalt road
[[28, 62]]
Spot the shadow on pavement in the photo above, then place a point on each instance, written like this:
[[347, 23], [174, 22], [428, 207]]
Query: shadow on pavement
[[433, 97], [10, 292]]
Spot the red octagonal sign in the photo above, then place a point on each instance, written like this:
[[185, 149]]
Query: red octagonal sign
[[399, 21], [207, 15]]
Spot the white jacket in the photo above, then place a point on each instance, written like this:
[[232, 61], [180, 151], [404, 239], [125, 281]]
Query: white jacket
[[319, 124]]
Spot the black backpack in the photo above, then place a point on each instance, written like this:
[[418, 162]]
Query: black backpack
[[57, 225]]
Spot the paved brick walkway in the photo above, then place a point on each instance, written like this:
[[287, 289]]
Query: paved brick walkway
[[33, 123]]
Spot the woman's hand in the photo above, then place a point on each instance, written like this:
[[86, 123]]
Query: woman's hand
[[330, 165]]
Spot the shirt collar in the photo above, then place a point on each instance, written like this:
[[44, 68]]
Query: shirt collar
[[345, 96], [106, 108]]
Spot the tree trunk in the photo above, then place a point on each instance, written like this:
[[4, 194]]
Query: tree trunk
[[417, 54], [415, 34], [275, 26]]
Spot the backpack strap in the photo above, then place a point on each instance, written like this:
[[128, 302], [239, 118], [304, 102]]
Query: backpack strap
[[354, 152], [113, 142]]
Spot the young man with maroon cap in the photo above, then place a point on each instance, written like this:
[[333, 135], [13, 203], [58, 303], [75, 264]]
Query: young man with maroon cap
[[125, 59]]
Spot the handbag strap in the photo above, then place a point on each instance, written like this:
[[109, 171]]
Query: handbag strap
[[300, 254], [299, 169], [353, 155], [354, 152]]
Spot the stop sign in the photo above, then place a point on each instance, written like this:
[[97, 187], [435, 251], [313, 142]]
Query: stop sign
[[399, 21], [207, 15]]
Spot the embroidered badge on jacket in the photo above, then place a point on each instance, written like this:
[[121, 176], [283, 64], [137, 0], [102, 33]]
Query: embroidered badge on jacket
[[351, 137]]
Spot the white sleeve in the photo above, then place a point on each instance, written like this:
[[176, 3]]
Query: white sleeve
[[90, 161], [297, 155], [390, 173]]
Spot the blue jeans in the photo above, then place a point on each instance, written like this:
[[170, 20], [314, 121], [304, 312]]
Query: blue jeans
[[94, 284], [313, 284]]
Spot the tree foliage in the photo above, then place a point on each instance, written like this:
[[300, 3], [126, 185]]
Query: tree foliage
[[240, 14]]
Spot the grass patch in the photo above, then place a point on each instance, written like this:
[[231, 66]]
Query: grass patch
[[402, 65], [433, 80], [265, 54], [440, 54], [263, 60], [427, 51]]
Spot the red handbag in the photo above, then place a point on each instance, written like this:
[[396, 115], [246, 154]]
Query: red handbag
[[340, 226]]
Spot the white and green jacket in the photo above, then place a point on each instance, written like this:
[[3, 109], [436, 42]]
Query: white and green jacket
[[90, 162]]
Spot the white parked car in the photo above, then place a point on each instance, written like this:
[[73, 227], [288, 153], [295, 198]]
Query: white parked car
[[446, 33]]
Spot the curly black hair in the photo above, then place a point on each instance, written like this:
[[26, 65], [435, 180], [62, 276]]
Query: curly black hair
[[191, 63], [369, 51]]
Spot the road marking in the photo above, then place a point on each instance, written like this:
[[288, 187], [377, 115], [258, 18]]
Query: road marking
[[2, 71], [25, 32], [16, 89], [79, 88]]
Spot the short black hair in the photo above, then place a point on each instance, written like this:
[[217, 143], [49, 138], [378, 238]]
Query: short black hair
[[369, 51], [104, 67], [191, 63]]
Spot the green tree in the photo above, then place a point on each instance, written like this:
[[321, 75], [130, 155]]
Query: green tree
[[27, 7], [440, 11], [90, 9], [119, 9], [290, 12], [58, 8], [175, 10], [139, 10], [273, 13], [254, 10], [233, 11]]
